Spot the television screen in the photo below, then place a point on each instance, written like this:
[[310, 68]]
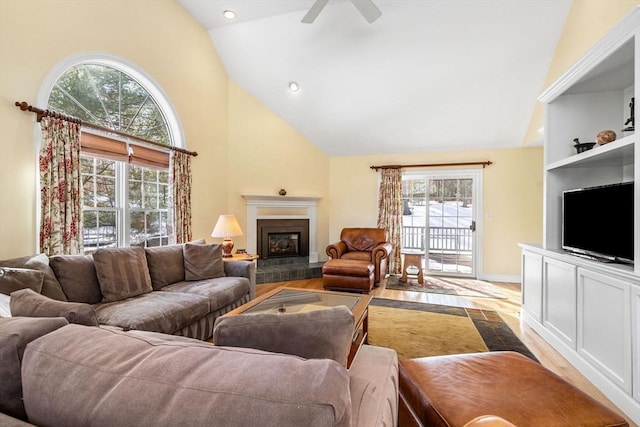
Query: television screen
[[598, 221]]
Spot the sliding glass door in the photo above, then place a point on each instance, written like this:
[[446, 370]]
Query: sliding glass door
[[439, 219]]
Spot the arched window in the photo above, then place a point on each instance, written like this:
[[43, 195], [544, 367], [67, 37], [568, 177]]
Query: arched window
[[126, 195]]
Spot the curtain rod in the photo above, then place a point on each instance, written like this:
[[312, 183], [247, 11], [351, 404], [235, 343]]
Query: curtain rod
[[431, 165], [40, 113]]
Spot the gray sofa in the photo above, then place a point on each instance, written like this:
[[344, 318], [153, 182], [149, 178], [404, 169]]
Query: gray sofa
[[74, 375], [177, 289]]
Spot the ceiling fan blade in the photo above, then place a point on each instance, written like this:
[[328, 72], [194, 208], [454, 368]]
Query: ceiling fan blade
[[368, 9], [314, 11]]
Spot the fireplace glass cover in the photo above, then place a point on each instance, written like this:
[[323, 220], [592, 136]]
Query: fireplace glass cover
[[284, 244]]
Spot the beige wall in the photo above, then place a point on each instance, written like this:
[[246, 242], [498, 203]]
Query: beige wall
[[156, 35], [588, 21], [265, 155], [512, 202]]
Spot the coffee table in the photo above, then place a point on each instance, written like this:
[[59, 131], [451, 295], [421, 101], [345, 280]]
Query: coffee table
[[295, 300]]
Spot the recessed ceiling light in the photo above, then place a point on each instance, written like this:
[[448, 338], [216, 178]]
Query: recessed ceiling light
[[294, 87], [229, 14]]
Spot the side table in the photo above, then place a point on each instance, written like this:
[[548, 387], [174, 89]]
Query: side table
[[412, 259], [241, 257]]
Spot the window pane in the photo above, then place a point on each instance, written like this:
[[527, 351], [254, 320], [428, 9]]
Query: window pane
[[135, 194], [137, 229], [135, 173], [163, 176], [105, 192], [150, 175], [105, 167], [150, 196], [163, 196]]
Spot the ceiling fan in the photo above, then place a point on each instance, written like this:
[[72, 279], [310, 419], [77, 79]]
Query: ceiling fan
[[366, 7]]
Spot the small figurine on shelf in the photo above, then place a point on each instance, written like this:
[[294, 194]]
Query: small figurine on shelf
[[605, 137], [282, 192], [632, 117], [582, 146]]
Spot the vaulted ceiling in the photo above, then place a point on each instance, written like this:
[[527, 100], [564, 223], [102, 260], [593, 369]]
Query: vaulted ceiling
[[427, 75]]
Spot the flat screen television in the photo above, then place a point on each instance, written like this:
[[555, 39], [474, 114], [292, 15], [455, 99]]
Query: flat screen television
[[598, 222]]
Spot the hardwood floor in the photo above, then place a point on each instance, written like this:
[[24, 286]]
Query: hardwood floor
[[509, 310]]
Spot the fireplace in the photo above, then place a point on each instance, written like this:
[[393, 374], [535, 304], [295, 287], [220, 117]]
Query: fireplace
[[282, 238]]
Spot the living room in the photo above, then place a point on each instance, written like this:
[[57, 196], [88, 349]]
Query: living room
[[240, 142]]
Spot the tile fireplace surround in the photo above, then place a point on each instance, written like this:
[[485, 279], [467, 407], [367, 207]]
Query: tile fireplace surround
[[286, 204]]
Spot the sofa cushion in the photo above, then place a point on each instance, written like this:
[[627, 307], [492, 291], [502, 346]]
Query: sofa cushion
[[27, 303], [122, 273], [166, 265], [14, 279], [15, 334], [50, 285], [77, 276], [220, 292], [157, 311], [319, 334], [176, 384], [202, 261]]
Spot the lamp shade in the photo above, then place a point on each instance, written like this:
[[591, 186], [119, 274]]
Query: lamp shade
[[227, 226]]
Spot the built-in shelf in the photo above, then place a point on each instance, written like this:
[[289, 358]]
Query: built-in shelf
[[617, 153]]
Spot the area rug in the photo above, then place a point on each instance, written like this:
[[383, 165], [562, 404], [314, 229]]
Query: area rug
[[419, 330], [447, 285]]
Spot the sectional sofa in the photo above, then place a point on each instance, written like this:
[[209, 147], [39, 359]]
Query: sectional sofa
[[176, 289]]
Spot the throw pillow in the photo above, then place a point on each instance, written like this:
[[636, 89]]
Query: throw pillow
[[26, 303], [319, 334], [50, 285], [202, 262], [14, 279], [166, 265], [122, 273], [77, 276]]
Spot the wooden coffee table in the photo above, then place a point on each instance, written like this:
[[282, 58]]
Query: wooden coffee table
[[294, 300]]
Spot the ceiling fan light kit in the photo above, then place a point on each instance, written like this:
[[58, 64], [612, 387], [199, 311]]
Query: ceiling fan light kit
[[367, 9]]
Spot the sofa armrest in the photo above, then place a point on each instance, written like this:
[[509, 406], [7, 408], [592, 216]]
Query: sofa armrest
[[26, 303], [336, 250], [243, 269], [319, 334], [380, 252]]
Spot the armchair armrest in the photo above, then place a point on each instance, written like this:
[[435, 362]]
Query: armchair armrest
[[243, 269], [380, 252], [319, 334], [336, 250]]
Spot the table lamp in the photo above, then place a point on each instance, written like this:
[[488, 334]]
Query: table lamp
[[227, 227]]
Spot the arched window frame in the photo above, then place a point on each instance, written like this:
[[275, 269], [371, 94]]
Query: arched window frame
[[176, 134]]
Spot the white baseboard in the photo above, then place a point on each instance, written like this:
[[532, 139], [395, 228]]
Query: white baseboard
[[500, 278]]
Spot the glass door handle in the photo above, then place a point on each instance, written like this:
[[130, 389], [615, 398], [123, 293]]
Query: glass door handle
[[472, 227]]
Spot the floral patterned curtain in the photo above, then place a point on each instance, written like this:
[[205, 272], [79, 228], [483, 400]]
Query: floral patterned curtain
[[390, 213], [60, 188], [180, 179]]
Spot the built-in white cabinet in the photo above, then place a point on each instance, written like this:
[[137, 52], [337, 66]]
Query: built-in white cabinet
[[588, 310], [604, 325], [635, 341], [559, 296], [532, 284]]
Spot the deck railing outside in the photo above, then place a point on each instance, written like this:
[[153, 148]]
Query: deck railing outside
[[440, 238]]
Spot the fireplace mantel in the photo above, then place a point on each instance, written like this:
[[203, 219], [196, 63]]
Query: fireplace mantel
[[255, 202]]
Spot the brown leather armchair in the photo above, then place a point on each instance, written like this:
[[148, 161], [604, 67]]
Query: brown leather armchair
[[364, 244]]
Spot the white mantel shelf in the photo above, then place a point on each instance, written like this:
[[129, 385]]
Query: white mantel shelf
[[255, 202]]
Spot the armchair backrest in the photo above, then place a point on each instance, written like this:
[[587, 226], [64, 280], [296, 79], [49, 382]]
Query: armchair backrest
[[362, 239]]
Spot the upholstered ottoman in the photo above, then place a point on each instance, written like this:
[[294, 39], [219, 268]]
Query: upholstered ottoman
[[453, 390], [348, 275]]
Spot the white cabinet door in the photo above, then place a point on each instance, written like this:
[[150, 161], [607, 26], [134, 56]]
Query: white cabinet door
[[604, 325], [559, 311], [635, 340], [532, 284]]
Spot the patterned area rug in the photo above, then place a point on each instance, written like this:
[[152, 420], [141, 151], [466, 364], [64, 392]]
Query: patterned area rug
[[447, 285], [419, 330]]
